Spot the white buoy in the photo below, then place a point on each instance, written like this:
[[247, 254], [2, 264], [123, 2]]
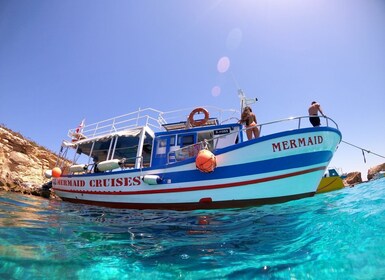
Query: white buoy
[[78, 168], [108, 164], [48, 174], [152, 179]]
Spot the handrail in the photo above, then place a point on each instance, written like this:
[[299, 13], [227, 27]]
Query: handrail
[[150, 117], [190, 151], [155, 119], [299, 118], [142, 117], [329, 122]]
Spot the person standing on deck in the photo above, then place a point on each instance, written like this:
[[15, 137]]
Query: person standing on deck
[[250, 121], [313, 114]]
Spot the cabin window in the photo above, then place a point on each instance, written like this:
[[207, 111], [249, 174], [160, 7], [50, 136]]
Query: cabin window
[[101, 149], [208, 136], [172, 140], [161, 149], [226, 137], [162, 143], [186, 140]]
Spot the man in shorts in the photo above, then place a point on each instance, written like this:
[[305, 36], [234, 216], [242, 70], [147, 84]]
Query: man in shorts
[[313, 114]]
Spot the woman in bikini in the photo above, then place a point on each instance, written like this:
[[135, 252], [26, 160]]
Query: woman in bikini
[[250, 121]]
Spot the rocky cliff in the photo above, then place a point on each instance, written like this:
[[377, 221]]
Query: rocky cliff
[[352, 179], [23, 163], [374, 170]]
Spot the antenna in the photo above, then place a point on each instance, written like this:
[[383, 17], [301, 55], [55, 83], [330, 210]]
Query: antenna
[[244, 100]]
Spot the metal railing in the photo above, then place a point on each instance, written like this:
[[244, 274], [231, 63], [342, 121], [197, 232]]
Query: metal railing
[[302, 122], [192, 151], [144, 117]]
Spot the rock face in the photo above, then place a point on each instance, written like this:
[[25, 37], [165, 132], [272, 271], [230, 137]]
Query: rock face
[[353, 178], [374, 170], [23, 163]]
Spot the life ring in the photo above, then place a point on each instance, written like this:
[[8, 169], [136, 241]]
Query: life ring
[[198, 122]]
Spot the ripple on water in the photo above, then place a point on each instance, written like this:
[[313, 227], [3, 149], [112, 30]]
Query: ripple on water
[[336, 235]]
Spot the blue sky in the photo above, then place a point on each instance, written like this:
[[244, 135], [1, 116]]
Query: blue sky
[[62, 61]]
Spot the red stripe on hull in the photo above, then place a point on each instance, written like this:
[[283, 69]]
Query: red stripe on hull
[[198, 188], [194, 206]]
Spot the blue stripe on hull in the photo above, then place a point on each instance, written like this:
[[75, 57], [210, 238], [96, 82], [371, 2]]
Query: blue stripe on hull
[[259, 167]]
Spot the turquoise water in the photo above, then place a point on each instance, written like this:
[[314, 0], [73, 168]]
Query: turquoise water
[[337, 235]]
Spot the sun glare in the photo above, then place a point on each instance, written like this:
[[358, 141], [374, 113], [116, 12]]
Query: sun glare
[[223, 64], [216, 91]]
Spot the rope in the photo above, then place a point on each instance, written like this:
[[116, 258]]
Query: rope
[[363, 150]]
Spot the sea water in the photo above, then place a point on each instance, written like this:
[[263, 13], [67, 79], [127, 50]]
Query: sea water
[[336, 235]]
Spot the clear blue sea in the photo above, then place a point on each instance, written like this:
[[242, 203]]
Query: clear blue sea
[[336, 235]]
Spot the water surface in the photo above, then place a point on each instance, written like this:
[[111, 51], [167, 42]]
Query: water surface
[[336, 235]]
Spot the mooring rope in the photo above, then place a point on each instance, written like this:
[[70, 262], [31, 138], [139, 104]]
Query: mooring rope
[[363, 150]]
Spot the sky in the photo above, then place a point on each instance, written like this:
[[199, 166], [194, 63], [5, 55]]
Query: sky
[[62, 61]]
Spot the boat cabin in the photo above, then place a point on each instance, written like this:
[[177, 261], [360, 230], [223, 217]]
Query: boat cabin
[[181, 143], [141, 147]]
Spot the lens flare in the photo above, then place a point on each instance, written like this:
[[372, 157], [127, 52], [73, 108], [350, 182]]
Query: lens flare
[[234, 39], [223, 64], [216, 91]]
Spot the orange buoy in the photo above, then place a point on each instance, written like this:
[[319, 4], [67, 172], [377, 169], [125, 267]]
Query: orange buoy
[[56, 172], [206, 161]]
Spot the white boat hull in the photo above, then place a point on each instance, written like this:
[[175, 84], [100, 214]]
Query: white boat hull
[[271, 169]]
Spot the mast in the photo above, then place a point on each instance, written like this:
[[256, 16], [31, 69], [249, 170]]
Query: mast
[[244, 100]]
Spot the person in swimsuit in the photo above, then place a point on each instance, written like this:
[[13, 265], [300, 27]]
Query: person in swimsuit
[[250, 121], [313, 114]]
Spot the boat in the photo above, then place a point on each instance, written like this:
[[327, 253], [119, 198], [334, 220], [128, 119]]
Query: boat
[[331, 181], [191, 159], [379, 175]]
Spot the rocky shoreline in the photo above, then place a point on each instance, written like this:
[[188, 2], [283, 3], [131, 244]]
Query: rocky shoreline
[[23, 163], [352, 179], [31, 189]]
